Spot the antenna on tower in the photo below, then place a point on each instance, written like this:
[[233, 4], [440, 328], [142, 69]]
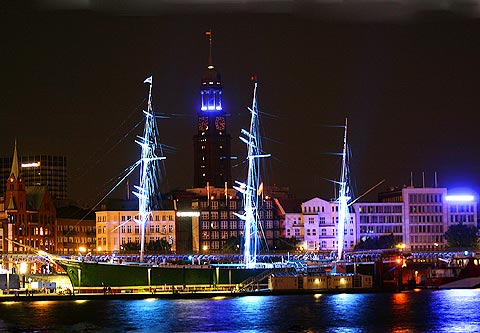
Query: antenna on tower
[[210, 40], [436, 181], [423, 179], [411, 179]]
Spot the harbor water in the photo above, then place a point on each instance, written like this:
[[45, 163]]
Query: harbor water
[[446, 311]]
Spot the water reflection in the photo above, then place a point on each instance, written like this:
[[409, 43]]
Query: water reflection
[[408, 312]]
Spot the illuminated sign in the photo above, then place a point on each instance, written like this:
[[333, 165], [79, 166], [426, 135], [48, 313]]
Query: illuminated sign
[[31, 165], [461, 198], [188, 214]]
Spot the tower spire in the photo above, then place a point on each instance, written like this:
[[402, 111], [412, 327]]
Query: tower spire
[[210, 41], [15, 169]]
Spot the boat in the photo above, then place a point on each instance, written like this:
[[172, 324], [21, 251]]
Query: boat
[[319, 282], [84, 273], [460, 271]]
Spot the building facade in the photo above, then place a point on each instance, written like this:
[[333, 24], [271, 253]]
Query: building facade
[[418, 219], [116, 228], [76, 231]]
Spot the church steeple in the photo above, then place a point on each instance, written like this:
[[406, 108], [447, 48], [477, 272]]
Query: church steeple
[[15, 169]]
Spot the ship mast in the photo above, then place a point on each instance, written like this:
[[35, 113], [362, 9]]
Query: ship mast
[[343, 198], [252, 189], [146, 191]]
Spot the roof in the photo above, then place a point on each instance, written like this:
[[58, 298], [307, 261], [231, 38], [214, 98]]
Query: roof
[[73, 212], [290, 205], [130, 205], [35, 195]]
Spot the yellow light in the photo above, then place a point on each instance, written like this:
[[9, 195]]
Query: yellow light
[[99, 248], [82, 249], [23, 268], [317, 281], [342, 280], [205, 248]]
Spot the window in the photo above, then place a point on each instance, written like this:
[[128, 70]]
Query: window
[[214, 204]]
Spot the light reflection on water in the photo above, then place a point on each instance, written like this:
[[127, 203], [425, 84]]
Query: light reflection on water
[[407, 312]]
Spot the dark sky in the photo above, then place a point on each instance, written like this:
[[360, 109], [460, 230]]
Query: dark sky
[[407, 79]]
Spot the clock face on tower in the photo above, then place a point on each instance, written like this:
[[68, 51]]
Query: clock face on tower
[[220, 123], [202, 123]]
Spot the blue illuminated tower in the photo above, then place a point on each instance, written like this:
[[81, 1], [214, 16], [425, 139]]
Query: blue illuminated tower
[[211, 144]]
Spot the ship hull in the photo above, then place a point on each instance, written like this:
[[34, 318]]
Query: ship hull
[[90, 274]]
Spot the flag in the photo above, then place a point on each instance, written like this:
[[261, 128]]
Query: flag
[[148, 80]]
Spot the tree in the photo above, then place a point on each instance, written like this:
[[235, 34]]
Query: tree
[[131, 247], [376, 243], [159, 246], [462, 236], [232, 245], [286, 244]]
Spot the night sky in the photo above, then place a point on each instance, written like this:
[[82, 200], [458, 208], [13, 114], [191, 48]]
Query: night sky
[[407, 79]]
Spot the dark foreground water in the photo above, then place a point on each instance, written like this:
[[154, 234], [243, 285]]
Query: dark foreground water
[[423, 311]]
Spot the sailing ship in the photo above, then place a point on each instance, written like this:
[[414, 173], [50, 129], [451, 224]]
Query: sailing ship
[[83, 273]]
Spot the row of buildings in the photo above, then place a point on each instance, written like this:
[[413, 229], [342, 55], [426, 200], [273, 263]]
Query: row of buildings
[[204, 218]]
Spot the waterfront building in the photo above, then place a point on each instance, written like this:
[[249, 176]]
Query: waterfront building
[[376, 219], [416, 217], [211, 144], [38, 170], [320, 220], [117, 226], [211, 214], [29, 215], [290, 215], [75, 231], [424, 216]]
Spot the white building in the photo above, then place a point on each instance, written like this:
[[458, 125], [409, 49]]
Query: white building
[[315, 227]]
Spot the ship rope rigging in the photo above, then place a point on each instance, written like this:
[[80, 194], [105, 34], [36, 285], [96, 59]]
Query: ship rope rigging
[[252, 189], [146, 191]]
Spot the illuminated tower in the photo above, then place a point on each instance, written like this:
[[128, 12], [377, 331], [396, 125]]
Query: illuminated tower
[[211, 144]]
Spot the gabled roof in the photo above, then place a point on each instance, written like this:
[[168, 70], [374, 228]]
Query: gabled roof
[[35, 195], [15, 169], [290, 205], [11, 204]]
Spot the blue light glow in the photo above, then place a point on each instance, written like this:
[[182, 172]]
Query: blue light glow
[[460, 198]]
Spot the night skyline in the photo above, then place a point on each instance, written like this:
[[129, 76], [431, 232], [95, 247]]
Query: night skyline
[[408, 88]]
